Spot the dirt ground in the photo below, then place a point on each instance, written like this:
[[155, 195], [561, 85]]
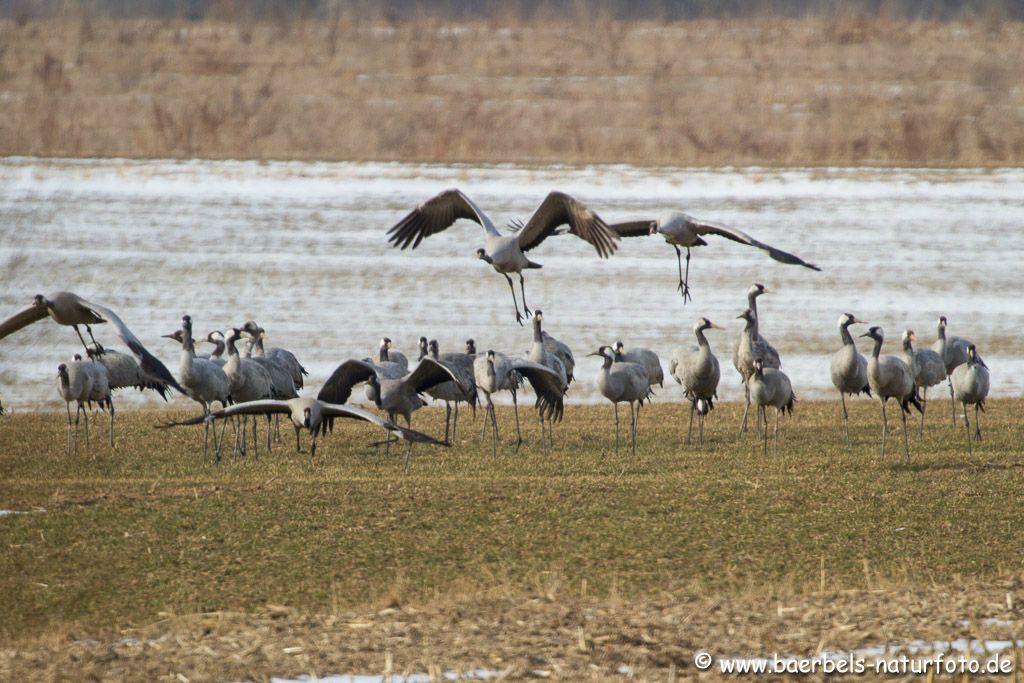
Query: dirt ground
[[548, 634]]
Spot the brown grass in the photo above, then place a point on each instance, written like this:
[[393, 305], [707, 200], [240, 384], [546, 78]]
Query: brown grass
[[844, 91]]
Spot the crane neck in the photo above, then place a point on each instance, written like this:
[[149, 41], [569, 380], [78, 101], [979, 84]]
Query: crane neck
[[218, 350], [608, 360], [383, 355], [702, 341], [844, 334], [908, 346], [875, 352], [752, 301], [538, 335]]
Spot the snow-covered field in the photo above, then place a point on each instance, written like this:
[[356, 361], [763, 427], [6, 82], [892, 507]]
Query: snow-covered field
[[300, 248]]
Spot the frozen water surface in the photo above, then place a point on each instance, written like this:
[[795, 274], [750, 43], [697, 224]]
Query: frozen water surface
[[300, 247]]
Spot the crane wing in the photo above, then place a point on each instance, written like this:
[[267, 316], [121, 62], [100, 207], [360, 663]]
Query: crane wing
[[149, 363], [436, 214], [261, 407], [333, 410], [706, 228], [429, 373], [559, 209], [22, 319], [546, 384], [338, 386], [632, 228]]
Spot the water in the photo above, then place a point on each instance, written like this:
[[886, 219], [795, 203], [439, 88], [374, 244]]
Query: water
[[300, 248]]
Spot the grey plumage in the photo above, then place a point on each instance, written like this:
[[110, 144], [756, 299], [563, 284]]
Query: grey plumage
[[953, 351], [310, 414], [623, 382], [461, 364], [205, 380], [646, 358], [697, 369], [505, 253], [249, 382], [751, 347], [543, 352], [284, 358], [396, 396], [926, 366], [849, 368], [496, 372], [970, 382], [100, 394], [682, 230], [74, 386], [770, 387], [66, 308], [890, 377]]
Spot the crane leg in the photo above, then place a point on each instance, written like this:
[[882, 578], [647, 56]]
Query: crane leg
[[447, 420], [67, 450], [515, 302], [636, 422], [96, 344], [846, 418], [689, 430], [494, 428], [515, 406], [684, 280], [110, 406], [82, 339], [255, 440], [85, 414], [967, 430], [298, 441], [746, 408], [764, 437], [487, 416], [700, 429], [269, 431], [312, 446], [455, 421], [408, 452], [522, 289], [777, 411], [952, 400], [885, 424], [616, 428], [906, 441], [924, 407], [977, 424]]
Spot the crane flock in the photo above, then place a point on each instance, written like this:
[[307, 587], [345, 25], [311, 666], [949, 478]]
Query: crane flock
[[256, 381]]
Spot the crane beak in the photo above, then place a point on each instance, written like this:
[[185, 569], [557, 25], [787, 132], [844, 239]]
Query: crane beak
[[866, 334], [858, 321], [715, 327]]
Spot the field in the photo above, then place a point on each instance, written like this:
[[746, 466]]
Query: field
[[846, 91], [144, 563]]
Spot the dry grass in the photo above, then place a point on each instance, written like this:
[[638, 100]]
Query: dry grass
[[481, 563], [845, 91]]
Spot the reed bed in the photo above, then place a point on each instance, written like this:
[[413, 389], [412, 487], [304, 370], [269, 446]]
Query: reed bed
[[841, 91]]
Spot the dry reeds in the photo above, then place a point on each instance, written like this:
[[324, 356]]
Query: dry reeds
[[841, 91]]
